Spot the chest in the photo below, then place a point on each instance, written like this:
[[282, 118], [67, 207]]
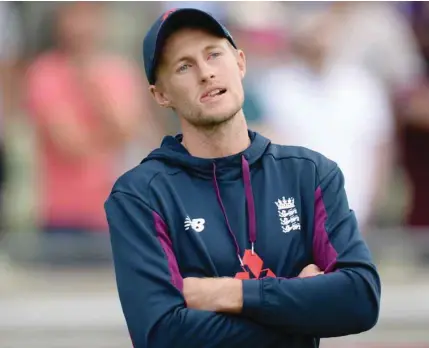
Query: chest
[[212, 228]]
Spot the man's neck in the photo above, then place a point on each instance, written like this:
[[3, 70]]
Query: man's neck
[[229, 139]]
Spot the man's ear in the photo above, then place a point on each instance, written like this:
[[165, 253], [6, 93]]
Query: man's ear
[[160, 96], [241, 61]]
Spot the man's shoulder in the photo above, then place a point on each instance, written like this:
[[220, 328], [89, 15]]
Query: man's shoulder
[[300, 155], [138, 180]]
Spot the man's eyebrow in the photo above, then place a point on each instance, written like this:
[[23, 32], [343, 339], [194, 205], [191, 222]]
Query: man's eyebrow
[[213, 46], [181, 59], [188, 58]]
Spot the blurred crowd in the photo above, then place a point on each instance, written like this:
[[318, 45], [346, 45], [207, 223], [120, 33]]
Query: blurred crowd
[[347, 79]]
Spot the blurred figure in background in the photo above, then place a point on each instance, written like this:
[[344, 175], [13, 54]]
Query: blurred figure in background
[[366, 34], [10, 50], [340, 110], [86, 106], [377, 37], [413, 118]]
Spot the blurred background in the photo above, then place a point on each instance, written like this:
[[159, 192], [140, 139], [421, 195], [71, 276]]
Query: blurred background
[[350, 80]]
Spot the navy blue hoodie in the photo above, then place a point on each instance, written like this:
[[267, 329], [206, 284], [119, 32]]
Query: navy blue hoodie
[[176, 216]]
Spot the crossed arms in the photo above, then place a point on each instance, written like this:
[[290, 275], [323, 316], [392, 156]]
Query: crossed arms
[[164, 310]]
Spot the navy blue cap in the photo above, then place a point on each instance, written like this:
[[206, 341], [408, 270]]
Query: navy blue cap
[[170, 22]]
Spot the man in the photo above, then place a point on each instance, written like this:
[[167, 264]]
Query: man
[[328, 107], [83, 103], [10, 56], [220, 238], [413, 121]]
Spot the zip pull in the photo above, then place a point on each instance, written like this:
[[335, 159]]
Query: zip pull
[[253, 248]]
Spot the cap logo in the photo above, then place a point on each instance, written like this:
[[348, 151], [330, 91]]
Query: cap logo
[[169, 12]]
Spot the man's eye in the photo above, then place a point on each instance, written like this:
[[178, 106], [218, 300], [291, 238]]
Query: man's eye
[[183, 68], [214, 55]]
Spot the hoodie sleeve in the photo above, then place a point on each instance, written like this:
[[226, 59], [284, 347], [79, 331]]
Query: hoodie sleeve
[[149, 286], [346, 299]]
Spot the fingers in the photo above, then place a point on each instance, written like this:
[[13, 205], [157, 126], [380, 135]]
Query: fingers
[[310, 270], [308, 275]]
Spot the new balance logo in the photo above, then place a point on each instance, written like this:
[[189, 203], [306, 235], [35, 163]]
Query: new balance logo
[[196, 224]]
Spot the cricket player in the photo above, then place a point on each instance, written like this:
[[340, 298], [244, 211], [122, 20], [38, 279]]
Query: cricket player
[[221, 238]]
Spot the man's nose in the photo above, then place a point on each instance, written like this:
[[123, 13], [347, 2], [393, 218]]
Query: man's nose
[[206, 72]]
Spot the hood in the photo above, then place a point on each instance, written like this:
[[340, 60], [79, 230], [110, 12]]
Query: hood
[[173, 152], [226, 168]]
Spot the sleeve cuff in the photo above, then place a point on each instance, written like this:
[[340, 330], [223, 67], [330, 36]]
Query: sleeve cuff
[[252, 298]]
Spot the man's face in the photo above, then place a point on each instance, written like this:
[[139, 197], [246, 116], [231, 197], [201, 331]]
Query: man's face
[[80, 25], [200, 77]]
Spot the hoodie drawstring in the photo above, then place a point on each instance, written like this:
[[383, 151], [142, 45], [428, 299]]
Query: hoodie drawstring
[[250, 207], [250, 202]]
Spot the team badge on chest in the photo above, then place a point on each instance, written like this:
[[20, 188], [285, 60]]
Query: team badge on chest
[[288, 215]]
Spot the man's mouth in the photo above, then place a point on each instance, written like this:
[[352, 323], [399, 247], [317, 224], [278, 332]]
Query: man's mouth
[[213, 93]]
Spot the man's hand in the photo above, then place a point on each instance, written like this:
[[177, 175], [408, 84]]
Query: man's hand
[[223, 294], [310, 271], [214, 294]]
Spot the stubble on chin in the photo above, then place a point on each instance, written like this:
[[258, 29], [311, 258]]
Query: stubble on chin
[[212, 123]]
